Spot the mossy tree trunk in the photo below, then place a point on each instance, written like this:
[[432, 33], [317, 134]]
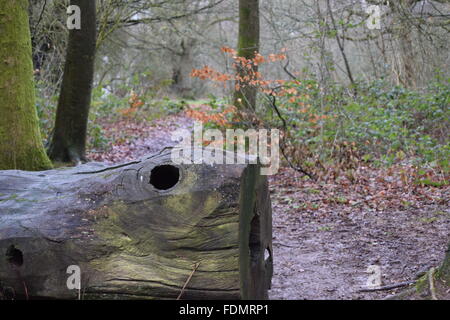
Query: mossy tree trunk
[[68, 140], [444, 270], [434, 285], [20, 139], [248, 44]]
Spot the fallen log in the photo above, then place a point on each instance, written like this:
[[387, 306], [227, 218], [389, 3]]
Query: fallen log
[[148, 229]]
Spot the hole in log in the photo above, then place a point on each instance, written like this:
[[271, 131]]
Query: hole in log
[[267, 254], [14, 256], [164, 177]]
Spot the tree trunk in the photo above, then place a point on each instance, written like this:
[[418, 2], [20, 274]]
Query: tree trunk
[[433, 285], [408, 67], [444, 271], [181, 76], [408, 77], [138, 230], [20, 139], [68, 140], [248, 44]]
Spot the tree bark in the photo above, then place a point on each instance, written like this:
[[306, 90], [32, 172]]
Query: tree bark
[[248, 44], [181, 76], [444, 270], [138, 230], [408, 62], [68, 140], [20, 139]]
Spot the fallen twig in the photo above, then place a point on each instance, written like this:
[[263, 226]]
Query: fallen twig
[[388, 287], [187, 281], [431, 282]]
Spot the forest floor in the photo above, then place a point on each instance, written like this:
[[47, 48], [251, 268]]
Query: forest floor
[[325, 235]]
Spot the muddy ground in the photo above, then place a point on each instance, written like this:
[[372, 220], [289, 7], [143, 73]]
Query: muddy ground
[[325, 235], [325, 254]]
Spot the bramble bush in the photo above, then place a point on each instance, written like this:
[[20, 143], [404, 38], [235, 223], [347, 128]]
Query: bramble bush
[[381, 125]]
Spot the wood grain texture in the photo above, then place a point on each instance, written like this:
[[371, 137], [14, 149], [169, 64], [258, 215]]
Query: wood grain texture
[[132, 240]]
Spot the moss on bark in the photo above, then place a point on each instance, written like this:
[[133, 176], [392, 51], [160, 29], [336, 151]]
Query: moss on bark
[[444, 270], [433, 285], [20, 139]]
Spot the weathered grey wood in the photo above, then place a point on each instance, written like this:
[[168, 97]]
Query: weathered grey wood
[[132, 240]]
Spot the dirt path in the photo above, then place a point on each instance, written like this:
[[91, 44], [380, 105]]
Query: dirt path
[[151, 137], [325, 236], [325, 256]]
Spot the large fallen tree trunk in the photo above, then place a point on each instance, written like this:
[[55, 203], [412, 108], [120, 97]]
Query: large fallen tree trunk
[[146, 229]]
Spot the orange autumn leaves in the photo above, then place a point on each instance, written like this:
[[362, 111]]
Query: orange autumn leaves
[[295, 94], [245, 74], [207, 73], [134, 103], [297, 98], [220, 118]]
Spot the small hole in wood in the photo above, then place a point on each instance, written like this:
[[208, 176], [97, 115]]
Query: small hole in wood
[[164, 177]]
